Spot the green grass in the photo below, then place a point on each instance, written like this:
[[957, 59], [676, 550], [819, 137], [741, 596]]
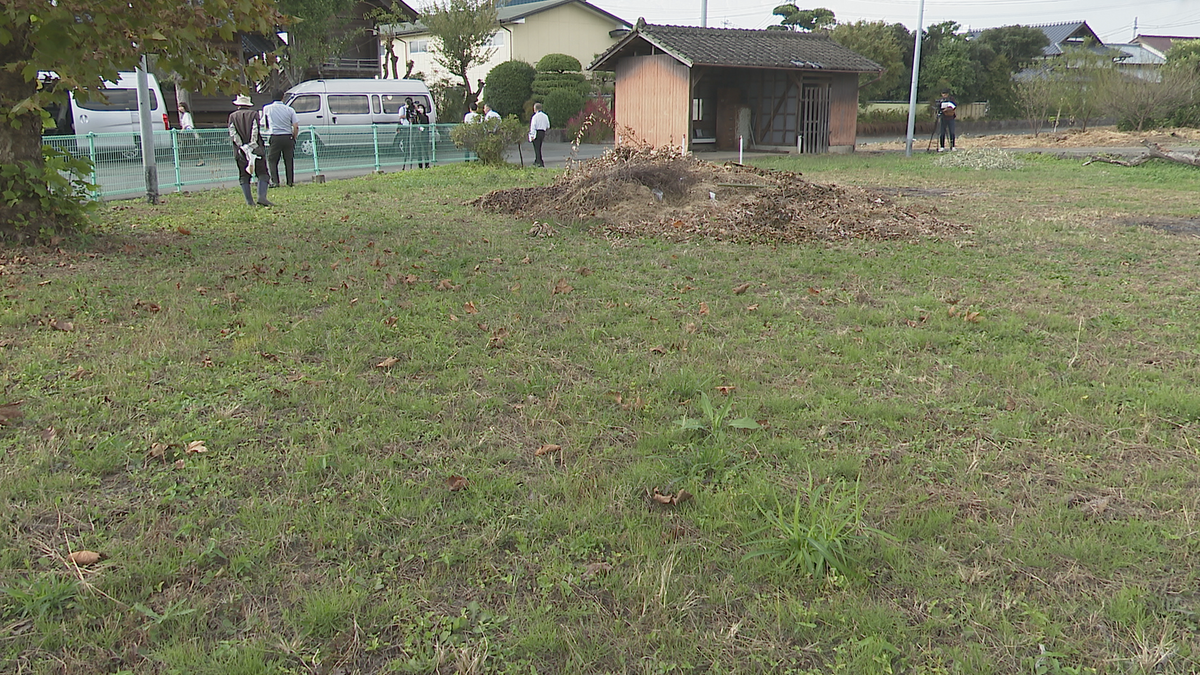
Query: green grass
[[1034, 471]]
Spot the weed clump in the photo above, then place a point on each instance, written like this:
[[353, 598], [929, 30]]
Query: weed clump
[[992, 159], [641, 191]]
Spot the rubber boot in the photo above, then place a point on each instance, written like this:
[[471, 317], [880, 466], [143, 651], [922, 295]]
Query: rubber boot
[[246, 194], [262, 193]]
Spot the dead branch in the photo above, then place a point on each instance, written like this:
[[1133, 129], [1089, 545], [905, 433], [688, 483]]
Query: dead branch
[[1154, 151]]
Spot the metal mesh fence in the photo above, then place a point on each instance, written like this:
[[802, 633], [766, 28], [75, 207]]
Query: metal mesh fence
[[204, 157]]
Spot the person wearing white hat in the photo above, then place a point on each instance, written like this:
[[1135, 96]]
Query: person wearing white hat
[[249, 152]]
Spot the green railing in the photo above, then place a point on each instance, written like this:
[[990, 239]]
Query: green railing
[[204, 157]]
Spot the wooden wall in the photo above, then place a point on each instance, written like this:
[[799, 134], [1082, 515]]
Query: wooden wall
[[652, 98], [843, 111]]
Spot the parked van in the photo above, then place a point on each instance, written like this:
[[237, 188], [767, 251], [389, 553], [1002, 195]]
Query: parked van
[[119, 114], [327, 105]]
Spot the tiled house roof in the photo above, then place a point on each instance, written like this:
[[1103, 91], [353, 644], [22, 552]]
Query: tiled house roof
[[737, 47], [1060, 35]]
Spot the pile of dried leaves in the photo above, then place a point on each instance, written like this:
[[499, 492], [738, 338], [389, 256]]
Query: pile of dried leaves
[[649, 192]]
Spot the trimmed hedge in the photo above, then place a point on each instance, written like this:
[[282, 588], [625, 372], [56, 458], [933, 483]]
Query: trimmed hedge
[[508, 86]]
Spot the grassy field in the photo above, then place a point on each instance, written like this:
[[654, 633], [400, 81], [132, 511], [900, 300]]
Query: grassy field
[[967, 456]]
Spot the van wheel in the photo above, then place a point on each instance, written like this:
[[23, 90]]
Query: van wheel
[[305, 144]]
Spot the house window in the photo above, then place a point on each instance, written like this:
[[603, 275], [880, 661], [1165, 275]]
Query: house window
[[418, 46], [497, 40]]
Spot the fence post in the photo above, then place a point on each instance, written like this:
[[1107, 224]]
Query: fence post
[[312, 135], [433, 136], [175, 151], [91, 136], [375, 144]]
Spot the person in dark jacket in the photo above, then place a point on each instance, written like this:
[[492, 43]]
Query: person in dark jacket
[[946, 110], [249, 153]]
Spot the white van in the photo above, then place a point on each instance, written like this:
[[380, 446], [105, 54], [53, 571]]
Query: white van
[[119, 114], [326, 105]]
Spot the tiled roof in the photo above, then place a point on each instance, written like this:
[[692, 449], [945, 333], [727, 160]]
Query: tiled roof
[[739, 47], [1056, 33]]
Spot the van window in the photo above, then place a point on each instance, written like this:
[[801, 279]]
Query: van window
[[392, 102], [375, 104], [348, 104], [305, 104], [118, 99]]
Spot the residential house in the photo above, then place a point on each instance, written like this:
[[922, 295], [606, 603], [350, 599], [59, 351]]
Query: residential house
[[1138, 61], [528, 31], [1159, 45], [1062, 36], [715, 87]]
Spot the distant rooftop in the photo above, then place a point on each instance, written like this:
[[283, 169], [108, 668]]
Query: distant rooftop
[[1060, 35]]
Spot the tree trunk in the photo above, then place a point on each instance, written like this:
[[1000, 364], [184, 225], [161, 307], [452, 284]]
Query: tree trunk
[[20, 140]]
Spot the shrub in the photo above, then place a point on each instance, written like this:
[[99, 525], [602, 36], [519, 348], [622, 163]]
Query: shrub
[[562, 104], [450, 99], [593, 124], [508, 86], [59, 187], [489, 140], [559, 63]]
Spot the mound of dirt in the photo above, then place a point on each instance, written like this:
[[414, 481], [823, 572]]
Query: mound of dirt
[[1095, 137], [646, 192]]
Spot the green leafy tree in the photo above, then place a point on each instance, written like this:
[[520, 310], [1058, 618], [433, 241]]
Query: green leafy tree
[[462, 29], [560, 86], [509, 85], [85, 47], [879, 42], [794, 18], [951, 68], [1019, 45], [316, 33]]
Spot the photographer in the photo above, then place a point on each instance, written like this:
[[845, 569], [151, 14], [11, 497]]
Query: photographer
[[946, 110]]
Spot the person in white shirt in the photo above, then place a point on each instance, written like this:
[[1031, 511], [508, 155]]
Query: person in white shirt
[[282, 128], [539, 124], [491, 117], [193, 139], [472, 114]]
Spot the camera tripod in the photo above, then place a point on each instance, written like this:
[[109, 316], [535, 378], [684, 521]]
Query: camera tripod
[[937, 125]]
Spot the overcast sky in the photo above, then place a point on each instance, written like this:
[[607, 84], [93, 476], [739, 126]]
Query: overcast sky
[[1113, 20]]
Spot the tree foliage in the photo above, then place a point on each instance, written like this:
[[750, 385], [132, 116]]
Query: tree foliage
[[1019, 45], [462, 29], [509, 85], [388, 19], [316, 33], [794, 18], [85, 46], [559, 88], [489, 139], [882, 43]]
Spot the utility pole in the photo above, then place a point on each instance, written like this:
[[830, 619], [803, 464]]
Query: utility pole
[[912, 89], [149, 163], [704, 13]]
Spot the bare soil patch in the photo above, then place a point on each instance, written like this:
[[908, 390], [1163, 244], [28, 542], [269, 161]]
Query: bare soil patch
[[1095, 137], [1166, 224], [646, 192]]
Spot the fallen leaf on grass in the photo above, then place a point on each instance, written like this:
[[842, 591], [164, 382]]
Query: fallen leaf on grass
[[972, 317], [584, 272], [670, 499], [411, 279], [9, 412], [752, 308], [183, 230], [49, 434], [814, 291], [195, 448], [83, 558], [179, 464], [388, 362], [704, 309], [390, 321], [469, 307], [157, 450], [446, 285], [689, 327], [562, 287], [546, 449], [596, 569], [738, 290], [456, 483], [62, 325], [657, 350], [726, 389]]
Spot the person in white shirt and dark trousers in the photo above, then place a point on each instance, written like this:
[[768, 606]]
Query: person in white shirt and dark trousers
[[282, 127], [539, 124]]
